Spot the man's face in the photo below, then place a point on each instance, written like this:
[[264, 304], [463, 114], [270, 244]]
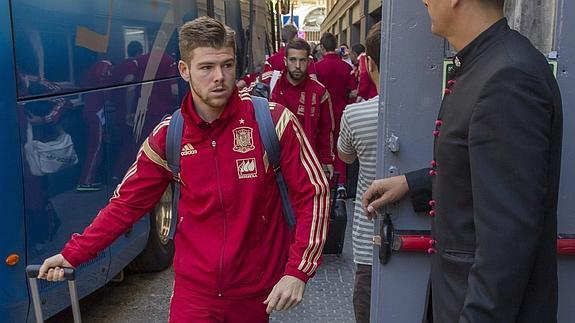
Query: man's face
[[439, 11], [345, 51], [211, 74], [296, 64]]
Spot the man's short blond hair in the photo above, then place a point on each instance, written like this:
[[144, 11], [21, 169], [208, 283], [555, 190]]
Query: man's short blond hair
[[204, 32]]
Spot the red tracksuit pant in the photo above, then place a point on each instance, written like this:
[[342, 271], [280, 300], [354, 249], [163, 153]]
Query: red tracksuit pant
[[190, 307]]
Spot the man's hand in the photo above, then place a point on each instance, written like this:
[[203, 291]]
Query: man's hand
[[287, 293], [328, 169], [241, 84], [383, 192], [51, 269]]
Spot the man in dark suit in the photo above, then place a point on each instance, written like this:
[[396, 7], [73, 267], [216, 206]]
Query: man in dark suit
[[493, 182]]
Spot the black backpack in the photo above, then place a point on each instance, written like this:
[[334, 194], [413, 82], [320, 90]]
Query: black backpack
[[271, 145]]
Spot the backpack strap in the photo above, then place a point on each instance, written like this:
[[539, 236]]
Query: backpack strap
[[272, 146], [173, 147]]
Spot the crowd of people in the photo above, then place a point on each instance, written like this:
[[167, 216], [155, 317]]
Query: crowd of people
[[493, 179], [317, 90]]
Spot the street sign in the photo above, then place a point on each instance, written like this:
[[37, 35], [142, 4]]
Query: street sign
[[286, 19]]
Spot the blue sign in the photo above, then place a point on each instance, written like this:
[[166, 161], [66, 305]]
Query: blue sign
[[286, 19]]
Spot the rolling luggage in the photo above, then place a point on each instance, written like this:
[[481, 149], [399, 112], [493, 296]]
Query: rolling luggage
[[337, 223], [69, 275]]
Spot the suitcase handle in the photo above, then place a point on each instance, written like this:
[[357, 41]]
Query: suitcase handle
[[33, 270], [69, 275]]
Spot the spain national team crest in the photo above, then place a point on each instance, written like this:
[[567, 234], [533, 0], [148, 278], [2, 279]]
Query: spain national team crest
[[247, 168], [243, 139]]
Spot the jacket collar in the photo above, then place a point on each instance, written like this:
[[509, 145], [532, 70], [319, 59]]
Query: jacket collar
[[480, 44], [286, 83], [191, 115], [331, 56]]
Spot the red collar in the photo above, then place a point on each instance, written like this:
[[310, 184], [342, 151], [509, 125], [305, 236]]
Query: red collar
[[286, 83], [191, 115], [331, 56]]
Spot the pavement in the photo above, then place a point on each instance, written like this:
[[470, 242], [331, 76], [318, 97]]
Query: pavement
[[328, 295]]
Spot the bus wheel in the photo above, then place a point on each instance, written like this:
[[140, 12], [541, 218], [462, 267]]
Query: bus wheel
[[159, 250]]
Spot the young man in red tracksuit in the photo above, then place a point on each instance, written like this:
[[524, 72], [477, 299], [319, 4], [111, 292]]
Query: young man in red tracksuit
[[307, 98], [235, 260], [335, 74]]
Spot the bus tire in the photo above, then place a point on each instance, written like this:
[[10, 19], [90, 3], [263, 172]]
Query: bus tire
[[159, 251]]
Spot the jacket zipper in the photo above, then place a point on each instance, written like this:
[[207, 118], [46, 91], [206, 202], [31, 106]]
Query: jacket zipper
[[221, 269]]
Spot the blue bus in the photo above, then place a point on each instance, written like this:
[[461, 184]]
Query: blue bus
[[82, 85]]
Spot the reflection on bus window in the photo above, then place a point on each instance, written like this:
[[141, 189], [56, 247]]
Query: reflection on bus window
[[137, 34]]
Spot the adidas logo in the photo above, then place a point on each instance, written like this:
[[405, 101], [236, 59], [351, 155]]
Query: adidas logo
[[188, 149]]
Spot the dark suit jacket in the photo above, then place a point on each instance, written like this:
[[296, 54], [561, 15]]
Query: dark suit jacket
[[494, 185]]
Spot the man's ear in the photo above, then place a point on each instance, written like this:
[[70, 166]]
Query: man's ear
[[370, 64], [184, 70]]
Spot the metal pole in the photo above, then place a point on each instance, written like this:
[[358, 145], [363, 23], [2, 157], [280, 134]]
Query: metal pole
[[279, 18], [36, 299], [273, 24], [75, 303]]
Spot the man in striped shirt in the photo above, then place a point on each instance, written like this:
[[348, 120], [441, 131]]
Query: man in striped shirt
[[358, 139]]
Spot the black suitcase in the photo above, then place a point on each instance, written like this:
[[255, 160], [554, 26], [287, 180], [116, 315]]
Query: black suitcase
[[337, 224]]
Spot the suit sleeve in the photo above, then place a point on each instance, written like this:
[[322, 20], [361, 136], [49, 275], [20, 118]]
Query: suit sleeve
[[142, 186], [309, 194], [509, 147], [325, 140], [419, 183]]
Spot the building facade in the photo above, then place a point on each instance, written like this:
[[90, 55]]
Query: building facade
[[349, 20]]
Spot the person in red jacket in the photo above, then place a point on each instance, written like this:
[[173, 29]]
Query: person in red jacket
[[307, 98], [366, 89], [236, 260], [276, 61], [336, 75]]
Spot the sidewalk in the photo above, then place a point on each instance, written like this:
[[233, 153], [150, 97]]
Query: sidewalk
[[328, 295]]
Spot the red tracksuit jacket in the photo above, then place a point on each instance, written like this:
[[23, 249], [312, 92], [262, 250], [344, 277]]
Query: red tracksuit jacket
[[231, 238], [314, 111]]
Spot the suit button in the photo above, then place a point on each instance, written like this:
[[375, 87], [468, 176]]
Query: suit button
[[432, 172], [435, 133], [431, 250], [432, 203], [446, 91], [433, 163], [451, 83], [432, 213], [438, 123], [432, 243]]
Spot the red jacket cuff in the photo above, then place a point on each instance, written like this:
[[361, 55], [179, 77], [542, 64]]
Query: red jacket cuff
[[298, 274], [68, 255]]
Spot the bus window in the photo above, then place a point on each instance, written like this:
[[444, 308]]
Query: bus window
[[135, 34]]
